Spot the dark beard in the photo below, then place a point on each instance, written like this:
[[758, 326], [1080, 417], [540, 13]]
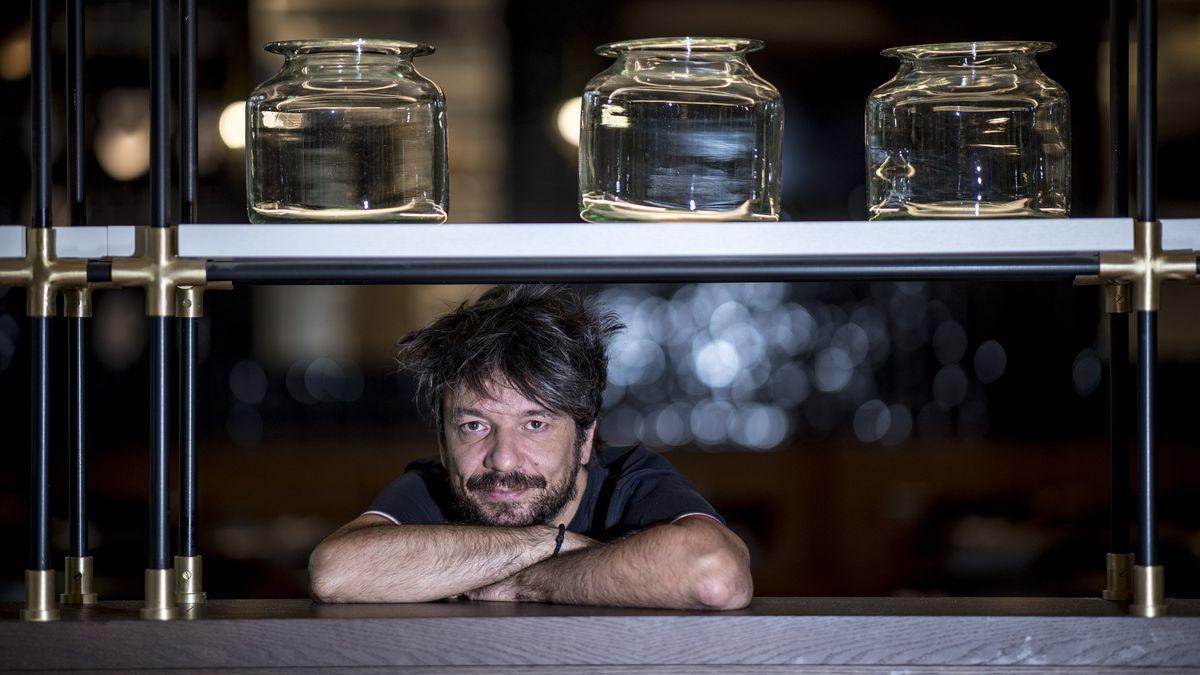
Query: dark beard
[[509, 514]]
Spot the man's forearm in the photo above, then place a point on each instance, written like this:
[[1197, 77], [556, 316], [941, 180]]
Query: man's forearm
[[418, 563], [693, 564]]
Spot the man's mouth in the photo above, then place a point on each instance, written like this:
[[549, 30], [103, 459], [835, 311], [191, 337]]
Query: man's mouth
[[504, 494]]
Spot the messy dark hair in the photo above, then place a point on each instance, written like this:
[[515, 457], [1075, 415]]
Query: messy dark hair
[[547, 342]]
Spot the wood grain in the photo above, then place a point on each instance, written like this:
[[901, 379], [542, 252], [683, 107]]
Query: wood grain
[[846, 633]]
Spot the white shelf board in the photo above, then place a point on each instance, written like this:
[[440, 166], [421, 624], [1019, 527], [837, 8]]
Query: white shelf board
[[623, 240], [84, 242], [661, 240]]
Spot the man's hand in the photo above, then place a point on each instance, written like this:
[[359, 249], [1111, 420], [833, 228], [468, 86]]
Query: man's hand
[[506, 590], [374, 560]]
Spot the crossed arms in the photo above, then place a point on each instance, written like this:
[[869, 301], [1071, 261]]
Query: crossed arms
[[692, 563]]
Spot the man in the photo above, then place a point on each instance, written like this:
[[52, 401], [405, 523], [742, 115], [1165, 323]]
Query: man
[[522, 505]]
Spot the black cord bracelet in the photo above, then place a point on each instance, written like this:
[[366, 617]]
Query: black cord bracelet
[[558, 541]]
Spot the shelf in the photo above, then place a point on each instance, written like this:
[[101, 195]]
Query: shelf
[[89, 242], [624, 241], [697, 241]]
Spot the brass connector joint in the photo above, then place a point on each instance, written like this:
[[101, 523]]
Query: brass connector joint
[[1148, 591], [77, 302], [79, 582], [158, 269], [1116, 297], [1147, 266], [189, 580], [160, 596], [1119, 567], [39, 597], [41, 273]]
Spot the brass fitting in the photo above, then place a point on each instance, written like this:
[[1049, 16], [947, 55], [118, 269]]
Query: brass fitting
[[1146, 267], [41, 272], [160, 596], [79, 582], [189, 302], [1116, 297], [188, 580], [1120, 570], [77, 302], [1148, 591], [158, 268], [39, 596]]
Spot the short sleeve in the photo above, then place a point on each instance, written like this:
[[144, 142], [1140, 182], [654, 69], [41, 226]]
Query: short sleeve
[[664, 499], [409, 499]]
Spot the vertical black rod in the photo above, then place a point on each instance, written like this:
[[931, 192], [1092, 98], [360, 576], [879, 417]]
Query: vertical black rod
[[1118, 431], [1118, 105], [39, 539], [187, 111], [160, 115], [187, 326], [76, 164], [187, 436], [160, 545], [1147, 118], [76, 441], [1147, 553], [40, 43]]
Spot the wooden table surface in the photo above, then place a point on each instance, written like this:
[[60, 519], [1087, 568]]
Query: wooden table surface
[[825, 634]]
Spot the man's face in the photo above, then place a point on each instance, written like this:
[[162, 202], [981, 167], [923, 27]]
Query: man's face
[[511, 461]]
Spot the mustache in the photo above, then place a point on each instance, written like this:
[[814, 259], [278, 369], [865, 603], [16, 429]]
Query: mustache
[[513, 480]]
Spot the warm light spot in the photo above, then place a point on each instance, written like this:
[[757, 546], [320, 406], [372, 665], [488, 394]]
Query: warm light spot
[[232, 125], [567, 120]]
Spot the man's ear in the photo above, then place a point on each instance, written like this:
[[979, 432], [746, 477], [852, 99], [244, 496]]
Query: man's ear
[[585, 451]]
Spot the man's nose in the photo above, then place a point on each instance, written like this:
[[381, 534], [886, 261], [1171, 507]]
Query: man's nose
[[503, 456]]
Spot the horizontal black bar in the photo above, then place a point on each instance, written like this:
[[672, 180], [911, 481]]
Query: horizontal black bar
[[363, 271], [99, 271]]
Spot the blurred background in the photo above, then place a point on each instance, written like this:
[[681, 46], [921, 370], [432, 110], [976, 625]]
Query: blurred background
[[864, 439]]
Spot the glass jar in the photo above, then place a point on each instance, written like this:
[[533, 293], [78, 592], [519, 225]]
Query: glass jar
[[964, 130], [348, 131], [680, 129]]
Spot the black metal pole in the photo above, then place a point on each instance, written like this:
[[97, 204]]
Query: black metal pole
[[1147, 552], [187, 111], [40, 43], [160, 545], [1118, 432], [76, 325], [187, 326], [1118, 105], [1119, 562], [76, 377], [1147, 85], [160, 115], [1147, 154], [160, 92], [360, 271], [39, 544], [187, 436], [39, 536], [76, 132]]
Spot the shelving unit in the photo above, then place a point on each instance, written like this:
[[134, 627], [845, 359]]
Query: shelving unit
[[176, 263]]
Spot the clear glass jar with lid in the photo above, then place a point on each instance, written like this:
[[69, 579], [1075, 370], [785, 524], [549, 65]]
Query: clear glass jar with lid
[[347, 131], [680, 129], [968, 130]]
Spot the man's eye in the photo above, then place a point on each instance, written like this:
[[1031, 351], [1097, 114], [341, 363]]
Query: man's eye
[[536, 425], [471, 426]]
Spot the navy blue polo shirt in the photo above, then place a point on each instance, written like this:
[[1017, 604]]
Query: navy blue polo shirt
[[628, 489]]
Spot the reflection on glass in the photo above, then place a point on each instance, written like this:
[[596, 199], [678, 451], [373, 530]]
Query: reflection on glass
[[349, 131], [968, 130], [680, 129]]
